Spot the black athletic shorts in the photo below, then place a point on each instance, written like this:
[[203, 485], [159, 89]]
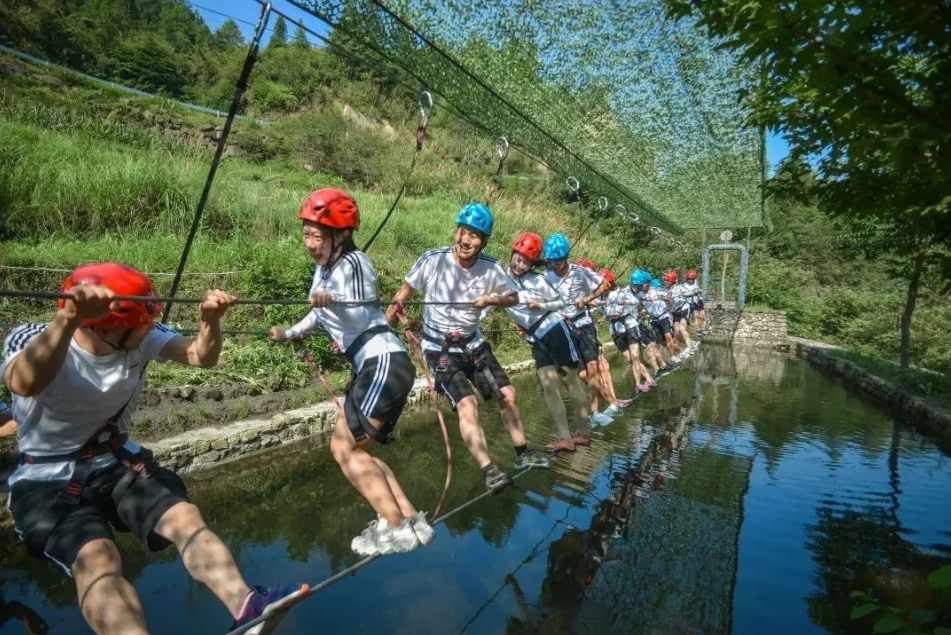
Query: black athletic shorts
[[697, 304], [681, 314], [624, 340], [55, 530], [589, 346], [475, 367], [379, 391], [663, 327], [556, 348]]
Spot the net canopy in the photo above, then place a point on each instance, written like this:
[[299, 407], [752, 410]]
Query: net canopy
[[641, 110]]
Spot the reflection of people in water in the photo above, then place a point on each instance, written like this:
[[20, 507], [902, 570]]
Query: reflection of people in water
[[575, 558], [32, 622]]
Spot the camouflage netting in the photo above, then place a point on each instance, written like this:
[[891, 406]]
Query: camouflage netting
[[641, 110]]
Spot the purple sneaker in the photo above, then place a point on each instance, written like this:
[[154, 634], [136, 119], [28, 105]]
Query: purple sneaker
[[266, 601]]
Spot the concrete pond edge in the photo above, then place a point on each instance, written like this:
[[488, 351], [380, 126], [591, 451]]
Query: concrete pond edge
[[912, 410]]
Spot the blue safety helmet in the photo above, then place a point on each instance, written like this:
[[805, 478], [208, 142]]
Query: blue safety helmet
[[639, 277], [657, 284], [556, 247], [478, 217]]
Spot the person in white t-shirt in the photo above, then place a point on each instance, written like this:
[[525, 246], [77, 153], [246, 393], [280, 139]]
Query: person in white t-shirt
[[580, 286], [382, 372], [458, 283], [695, 297], [679, 310], [553, 346], [74, 382], [621, 307], [8, 427]]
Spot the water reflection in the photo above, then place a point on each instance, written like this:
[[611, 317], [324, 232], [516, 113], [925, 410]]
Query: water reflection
[[744, 494]]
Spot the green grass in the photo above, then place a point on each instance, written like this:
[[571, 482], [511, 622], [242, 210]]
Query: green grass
[[931, 386]]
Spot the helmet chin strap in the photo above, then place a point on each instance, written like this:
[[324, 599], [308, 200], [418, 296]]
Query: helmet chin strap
[[120, 346], [332, 259]]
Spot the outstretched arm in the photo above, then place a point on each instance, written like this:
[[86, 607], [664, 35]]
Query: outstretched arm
[[204, 349]]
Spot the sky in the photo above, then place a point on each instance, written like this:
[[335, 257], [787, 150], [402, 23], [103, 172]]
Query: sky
[[247, 12]]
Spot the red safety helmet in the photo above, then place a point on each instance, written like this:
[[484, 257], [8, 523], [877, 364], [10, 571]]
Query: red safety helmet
[[122, 280], [691, 274], [670, 276], [608, 275], [529, 245], [587, 264], [332, 208]]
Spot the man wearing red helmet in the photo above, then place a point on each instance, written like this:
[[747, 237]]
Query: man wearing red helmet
[[382, 371], [692, 292], [553, 347], [679, 310], [75, 382]]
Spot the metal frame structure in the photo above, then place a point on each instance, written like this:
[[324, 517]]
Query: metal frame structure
[[744, 269]]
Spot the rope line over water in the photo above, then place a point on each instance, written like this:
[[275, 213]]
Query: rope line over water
[[352, 569]]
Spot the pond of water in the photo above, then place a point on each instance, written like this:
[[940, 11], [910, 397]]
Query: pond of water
[[745, 494]]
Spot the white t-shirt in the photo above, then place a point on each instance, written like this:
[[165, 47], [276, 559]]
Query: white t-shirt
[[441, 279], [534, 286], [691, 290], [88, 391], [621, 303], [352, 279], [678, 298], [578, 283], [655, 302]]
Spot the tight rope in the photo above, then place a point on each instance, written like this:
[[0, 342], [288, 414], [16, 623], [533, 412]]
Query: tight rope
[[425, 110], [57, 295], [313, 590], [240, 87]]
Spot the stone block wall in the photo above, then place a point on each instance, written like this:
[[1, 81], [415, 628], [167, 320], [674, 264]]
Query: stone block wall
[[749, 328]]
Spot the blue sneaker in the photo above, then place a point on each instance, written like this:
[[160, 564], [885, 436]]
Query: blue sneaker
[[265, 601]]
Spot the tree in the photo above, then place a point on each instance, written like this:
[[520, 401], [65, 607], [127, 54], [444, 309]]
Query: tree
[[862, 91], [300, 36], [228, 36], [279, 36]]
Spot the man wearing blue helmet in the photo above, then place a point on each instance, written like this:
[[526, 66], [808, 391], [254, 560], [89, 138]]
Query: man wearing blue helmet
[[580, 286], [459, 282]]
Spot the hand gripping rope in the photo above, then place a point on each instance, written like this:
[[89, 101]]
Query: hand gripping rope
[[425, 111]]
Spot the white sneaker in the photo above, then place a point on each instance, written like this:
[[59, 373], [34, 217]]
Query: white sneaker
[[424, 531], [599, 419], [611, 411], [380, 539]]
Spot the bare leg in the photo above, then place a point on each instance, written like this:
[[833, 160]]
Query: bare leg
[[406, 507], [594, 384], [607, 382], [366, 474], [548, 378], [107, 600], [511, 417], [206, 558], [578, 399], [472, 433]]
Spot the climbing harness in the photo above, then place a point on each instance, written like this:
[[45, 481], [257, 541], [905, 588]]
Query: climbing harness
[[425, 101]]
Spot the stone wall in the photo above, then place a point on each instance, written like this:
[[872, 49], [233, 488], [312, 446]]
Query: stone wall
[[748, 328], [913, 411]]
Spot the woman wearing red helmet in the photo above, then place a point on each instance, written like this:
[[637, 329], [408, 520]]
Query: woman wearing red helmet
[[692, 292], [75, 382], [680, 310], [553, 347], [382, 372]]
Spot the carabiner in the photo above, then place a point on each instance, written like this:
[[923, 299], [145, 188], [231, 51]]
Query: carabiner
[[573, 184], [425, 101], [502, 148]]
